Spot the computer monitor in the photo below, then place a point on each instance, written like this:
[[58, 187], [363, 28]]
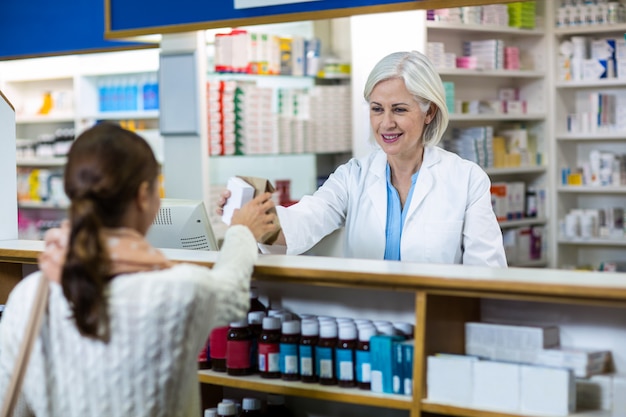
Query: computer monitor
[[182, 224]]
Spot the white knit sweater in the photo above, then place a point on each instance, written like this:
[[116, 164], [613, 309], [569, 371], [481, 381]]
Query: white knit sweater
[[159, 322]]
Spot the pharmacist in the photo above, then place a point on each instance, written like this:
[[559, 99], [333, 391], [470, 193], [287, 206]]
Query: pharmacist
[[409, 199]]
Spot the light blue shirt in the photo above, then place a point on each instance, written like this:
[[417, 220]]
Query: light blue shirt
[[395, 217]]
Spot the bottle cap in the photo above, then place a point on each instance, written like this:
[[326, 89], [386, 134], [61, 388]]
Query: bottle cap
[[360, 322], [366, 332], [226, 409], [405, 328], [239, 324], [210, 412], [386, 328], [328, 330], [256, 317], [251, 404], [310, 328], [291, 327], [307, 316], [344, 320], [347, 331], [271, 323]]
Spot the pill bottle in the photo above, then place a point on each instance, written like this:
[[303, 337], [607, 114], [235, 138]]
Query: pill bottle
[[306, 350], [289, 340], [363, 357], [238, 347], [269, 348], [217, 348], [325, 353], [255, 323], [250, 407], [255, 303], [276, 406], [226, 409], [344, 355]]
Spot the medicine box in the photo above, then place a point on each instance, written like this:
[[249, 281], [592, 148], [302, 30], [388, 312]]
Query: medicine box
[[450, 379], [547, 391], [513, 343], [582, 362], [240, 193], [381, 348], [496, 386]]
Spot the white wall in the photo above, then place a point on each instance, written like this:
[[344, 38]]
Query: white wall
[[374, 36], [8, 204]]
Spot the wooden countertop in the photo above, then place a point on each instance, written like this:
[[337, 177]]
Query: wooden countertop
[[533, 283]]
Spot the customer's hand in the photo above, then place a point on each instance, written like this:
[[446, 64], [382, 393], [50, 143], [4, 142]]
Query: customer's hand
[[224, 196], [255, 215]]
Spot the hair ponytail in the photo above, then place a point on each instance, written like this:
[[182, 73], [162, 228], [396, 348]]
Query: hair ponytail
[[105, 167], [85, 272]]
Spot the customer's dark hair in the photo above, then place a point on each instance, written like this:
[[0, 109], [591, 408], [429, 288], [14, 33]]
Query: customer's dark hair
[[105, 167]]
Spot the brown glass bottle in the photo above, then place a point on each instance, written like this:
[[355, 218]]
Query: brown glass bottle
[[289, 369], [269, 348], [363, 357], [344, 355], [255, 303], [325, 353], [306, 350], [255, 323], [238, 346]]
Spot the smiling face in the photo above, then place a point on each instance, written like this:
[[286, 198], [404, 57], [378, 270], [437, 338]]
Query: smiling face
[[397, 119]]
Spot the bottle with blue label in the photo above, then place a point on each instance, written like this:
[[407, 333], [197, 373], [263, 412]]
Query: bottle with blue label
[[150, 93], [363, 357], [325, 353], [289, 340], [306, 350], [344, 355]]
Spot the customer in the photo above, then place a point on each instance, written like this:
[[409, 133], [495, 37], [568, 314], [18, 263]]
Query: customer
[[408, 200], [124, 328]]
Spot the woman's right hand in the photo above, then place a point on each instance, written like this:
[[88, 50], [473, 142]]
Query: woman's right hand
[[255, 215]]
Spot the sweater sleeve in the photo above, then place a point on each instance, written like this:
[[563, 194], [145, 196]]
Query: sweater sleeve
[[233, 271]]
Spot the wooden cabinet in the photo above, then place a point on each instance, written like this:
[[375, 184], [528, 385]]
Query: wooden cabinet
[[588, 307]]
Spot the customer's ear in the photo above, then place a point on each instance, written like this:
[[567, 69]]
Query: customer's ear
[[143, 196]]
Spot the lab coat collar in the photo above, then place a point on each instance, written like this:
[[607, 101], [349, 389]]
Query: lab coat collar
[[425, 179], [377, 190]]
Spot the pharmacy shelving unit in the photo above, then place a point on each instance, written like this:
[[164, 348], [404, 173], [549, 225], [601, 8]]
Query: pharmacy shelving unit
[[572, 148], [62, 92], [588, 308], [532, 82]]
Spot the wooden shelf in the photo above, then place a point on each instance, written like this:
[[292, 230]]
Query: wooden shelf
[[41, 162], [507, 224], [301, 389], [600, 83], [588, 189], [119, 115], [594, 242], [48, 118], [591, 137], [505, 30], [589, 30], [516, 170], [490, 73], [455, 117]]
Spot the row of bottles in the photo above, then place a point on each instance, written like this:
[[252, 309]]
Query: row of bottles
[[128, 93], [277, 344], [250, 407]]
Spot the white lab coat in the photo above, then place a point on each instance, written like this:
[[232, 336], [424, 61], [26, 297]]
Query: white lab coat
[[450, 218]]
